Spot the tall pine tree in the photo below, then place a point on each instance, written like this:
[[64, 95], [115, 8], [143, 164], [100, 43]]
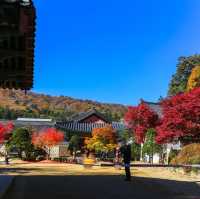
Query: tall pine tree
[[179, 80]]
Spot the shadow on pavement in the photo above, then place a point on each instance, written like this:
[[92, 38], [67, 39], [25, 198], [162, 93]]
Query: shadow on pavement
[[16, 170], [100, 187]]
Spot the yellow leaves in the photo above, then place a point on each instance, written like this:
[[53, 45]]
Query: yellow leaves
[[111, 147], [194, 79], [103, 139]]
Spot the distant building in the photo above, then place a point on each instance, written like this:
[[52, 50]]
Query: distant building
[[17, 42], [35, 123], [33, 120], [84, 123], [60, 150], [156, 107]]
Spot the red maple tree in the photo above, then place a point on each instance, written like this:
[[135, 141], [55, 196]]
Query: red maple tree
[[181, 117], [47, 138], [140, 118], [5, 130]]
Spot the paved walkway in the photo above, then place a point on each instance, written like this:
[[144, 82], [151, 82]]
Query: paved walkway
[[100, 187], [5, 182]]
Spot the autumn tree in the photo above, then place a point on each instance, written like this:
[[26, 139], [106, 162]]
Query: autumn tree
[[140, 118], [150, 146], [181, 117], [5, 133], [21, 140], [47, 139], [103, 139], [194, 79], [107, 133], [179, 80], [74, 145], [125, 136], [5, 130]]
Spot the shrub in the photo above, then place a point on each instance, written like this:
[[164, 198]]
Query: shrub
[[173, 154], [189, 154]]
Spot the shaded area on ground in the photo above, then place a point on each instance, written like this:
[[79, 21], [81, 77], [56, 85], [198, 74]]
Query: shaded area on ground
[[100, 187], [5, 182], [14, 170]]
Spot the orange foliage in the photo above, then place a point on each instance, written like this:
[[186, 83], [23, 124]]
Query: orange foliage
[[47, 138], [107, 133], [194, 79]]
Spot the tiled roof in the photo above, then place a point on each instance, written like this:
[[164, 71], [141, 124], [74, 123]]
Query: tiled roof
[[34, 123], [18, 123], [156, 107], [81, 116], [86, 127]]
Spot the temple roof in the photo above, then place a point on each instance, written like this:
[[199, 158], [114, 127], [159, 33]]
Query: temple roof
[[31, 122], [86, 127], [22, 2], [156, 107], [84, 115]]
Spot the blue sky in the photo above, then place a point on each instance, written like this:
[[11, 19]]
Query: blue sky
[[113, 50]]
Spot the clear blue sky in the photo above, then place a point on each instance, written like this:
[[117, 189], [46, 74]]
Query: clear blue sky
[[113, 50]]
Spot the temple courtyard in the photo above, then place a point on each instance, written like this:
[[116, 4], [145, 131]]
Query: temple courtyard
[[62, 181]]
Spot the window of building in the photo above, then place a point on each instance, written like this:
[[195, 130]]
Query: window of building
[[6, 64], [21, 63], [5, 44], [13, 63], [21, 43], [12, 42]]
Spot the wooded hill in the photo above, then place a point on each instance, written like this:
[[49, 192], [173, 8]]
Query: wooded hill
[[14, 103]]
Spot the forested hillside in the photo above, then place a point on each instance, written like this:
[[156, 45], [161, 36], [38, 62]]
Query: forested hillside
[[14, 103], [179, 82]]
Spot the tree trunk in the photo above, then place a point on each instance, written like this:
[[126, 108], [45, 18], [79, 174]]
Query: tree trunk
[[74, 155], [48, 155], [141, 152]]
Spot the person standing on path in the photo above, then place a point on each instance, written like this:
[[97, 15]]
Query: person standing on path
[[126, 153]]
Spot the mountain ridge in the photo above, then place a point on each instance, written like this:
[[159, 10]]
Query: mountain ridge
[[15, 103]]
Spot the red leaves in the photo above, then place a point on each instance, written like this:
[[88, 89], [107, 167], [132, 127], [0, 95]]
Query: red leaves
[[181, 116], [5, 129], [140, 118], [47, 138]]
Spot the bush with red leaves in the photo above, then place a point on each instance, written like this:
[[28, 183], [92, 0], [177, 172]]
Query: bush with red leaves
[[141, 118]]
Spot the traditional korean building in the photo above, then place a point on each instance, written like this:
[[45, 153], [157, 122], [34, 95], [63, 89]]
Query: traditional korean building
[[32, 123], [156, 107], [17, 38], [84, 123]]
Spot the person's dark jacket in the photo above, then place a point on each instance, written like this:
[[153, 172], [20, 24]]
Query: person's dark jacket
[[126, 153]]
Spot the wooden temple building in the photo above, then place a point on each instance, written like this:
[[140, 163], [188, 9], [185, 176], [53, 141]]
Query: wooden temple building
[[84, 123], [17, 38]]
